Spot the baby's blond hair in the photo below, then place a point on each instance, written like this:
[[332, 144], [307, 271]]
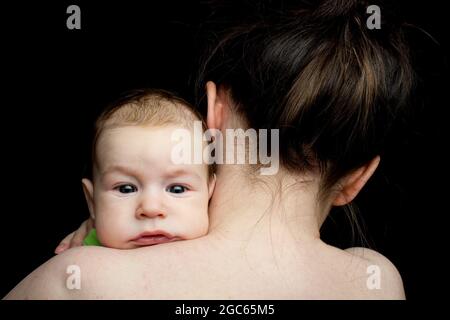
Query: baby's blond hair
[[146, 107]]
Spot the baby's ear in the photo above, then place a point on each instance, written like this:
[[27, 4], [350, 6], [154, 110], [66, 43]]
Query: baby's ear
[[88, 189], [211, 185], [354, 182]]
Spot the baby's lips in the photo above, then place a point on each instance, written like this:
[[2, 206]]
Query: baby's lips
[[154, 237]]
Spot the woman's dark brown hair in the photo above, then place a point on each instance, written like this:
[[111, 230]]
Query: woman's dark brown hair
[[331, 85]]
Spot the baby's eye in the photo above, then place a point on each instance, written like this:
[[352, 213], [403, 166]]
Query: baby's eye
[[176, 188], [126, 188]]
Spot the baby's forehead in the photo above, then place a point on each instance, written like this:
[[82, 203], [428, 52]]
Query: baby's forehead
[[144, 148], [165, 139], [114, 139]]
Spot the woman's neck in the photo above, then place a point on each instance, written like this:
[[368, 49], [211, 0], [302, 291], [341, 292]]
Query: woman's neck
[[265, 208]]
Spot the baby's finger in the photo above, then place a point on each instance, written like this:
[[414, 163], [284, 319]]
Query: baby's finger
[[89, 225], [64, 244], [80, 234]]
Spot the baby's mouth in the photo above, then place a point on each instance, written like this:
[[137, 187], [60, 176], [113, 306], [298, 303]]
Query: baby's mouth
[[153, 237]]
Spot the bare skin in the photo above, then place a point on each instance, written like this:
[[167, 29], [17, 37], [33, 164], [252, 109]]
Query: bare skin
[[263, 243], [221, 265]]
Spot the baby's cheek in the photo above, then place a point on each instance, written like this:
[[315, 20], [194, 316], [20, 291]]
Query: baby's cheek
[[104, 233], [205, 226], [198, 222], [187, 218], [110, 232], [204, 217]]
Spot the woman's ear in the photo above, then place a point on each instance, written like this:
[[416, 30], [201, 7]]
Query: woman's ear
[[211, 185], [352, 184], [216, 103], [88, 189]]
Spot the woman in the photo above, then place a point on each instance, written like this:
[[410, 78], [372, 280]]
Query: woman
[[333, 88]]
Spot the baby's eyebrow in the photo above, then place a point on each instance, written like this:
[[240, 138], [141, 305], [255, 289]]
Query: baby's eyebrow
[[182, 172], [170, 173], [119, 168]]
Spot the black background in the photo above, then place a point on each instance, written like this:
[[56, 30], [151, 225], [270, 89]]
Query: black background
[[55, 81]]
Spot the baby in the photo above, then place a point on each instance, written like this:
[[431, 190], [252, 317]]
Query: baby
[[138, 196]]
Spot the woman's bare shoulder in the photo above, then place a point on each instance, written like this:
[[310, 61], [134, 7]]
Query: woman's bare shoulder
[[380, 278], [105, 273], [78, 273]]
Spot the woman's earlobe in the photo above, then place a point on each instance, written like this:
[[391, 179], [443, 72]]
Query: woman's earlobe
[[88, 190], [352, 184]]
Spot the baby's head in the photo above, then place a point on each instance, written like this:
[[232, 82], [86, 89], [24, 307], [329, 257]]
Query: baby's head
[[138, 196]]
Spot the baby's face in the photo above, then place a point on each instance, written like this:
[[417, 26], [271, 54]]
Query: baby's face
[[140, 197]]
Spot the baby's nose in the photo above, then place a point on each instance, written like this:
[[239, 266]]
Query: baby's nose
[[151, 206]]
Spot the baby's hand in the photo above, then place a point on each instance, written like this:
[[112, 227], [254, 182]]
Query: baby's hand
[[75, 239]]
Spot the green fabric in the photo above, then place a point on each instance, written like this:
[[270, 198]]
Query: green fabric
[[91, 239]]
